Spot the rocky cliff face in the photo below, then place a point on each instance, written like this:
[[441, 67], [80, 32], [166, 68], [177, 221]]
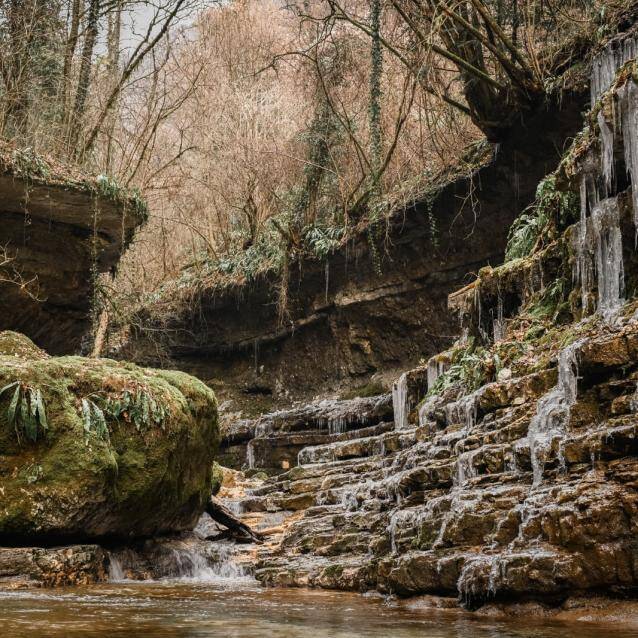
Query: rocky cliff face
[[58, 230], [508, 469], [346, 321]]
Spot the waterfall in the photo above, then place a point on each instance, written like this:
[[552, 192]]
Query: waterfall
[[192, 565], [553, 410], [400, 402]]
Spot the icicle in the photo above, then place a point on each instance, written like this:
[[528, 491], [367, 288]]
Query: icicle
[[607, 63], [607, 153], [436, 367], [609, 260], [338, 425], [581, 264], [553, 410], [499, 322], [400, 402], [250, 455], [479, 310], [628, 98]]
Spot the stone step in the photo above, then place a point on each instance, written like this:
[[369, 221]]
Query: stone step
[[380, 445]]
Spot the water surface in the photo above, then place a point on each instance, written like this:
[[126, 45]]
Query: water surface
[[239, 609]]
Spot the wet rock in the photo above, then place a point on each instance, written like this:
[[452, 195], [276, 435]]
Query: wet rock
[[52, 567]]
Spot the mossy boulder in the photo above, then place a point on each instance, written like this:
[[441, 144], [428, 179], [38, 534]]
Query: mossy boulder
[[121, 451]]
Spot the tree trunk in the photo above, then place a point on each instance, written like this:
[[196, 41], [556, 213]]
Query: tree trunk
[[84, 79], [69, 52]]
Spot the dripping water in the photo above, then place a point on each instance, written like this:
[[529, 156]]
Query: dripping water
[[552, 412]]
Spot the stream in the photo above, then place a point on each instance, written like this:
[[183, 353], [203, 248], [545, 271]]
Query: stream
[[238, 608]]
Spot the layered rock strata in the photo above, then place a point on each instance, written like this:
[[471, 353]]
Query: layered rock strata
[[512, 474]]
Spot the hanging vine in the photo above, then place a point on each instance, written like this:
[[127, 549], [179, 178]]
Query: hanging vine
[[376, 141]]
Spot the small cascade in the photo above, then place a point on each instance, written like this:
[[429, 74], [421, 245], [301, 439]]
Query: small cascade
[[176, 559], [400, 402], [116, 570], [475, 571], [553, 410], [463, 411], [400, 519], [465, 469], [607, 63]]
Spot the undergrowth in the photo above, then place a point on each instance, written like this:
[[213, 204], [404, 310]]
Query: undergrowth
[[468, 369], [531, 226]]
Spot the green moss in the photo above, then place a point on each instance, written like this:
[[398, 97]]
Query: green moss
[[333, 571], [14, 344], [217, 478], [372, 389]]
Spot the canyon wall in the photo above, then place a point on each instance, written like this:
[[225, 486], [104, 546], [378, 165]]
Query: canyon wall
[[348, 321]]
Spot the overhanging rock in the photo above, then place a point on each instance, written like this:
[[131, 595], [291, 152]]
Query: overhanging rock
[[58, 229]]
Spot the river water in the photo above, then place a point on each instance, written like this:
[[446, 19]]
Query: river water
[[240, 609]]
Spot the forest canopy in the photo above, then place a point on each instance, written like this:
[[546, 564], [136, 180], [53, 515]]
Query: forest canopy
[[258, 129]]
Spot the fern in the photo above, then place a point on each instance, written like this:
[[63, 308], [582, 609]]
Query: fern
[[136, 406], [467, 370], [94, 420], [530, 225], [26, 412]]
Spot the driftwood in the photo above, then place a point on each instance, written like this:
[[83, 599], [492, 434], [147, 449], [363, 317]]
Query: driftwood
[[222, 515]]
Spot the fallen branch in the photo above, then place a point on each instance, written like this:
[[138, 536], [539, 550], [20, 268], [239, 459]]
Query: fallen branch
[[222, 515]]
